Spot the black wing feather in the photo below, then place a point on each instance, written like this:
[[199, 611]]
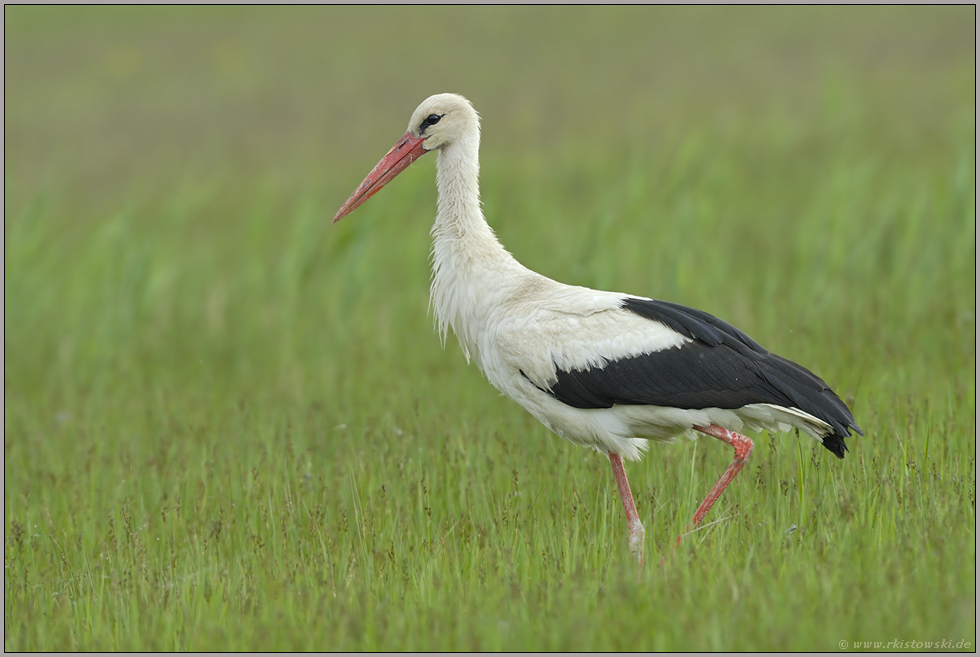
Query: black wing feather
[[720, 368]]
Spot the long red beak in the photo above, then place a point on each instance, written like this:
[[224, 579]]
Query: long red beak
[[407, 150]]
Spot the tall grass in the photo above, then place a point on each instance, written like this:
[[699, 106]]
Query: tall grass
[[228, 425]]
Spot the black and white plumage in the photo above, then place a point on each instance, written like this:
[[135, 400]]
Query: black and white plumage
[[720, 367], [605, 370]]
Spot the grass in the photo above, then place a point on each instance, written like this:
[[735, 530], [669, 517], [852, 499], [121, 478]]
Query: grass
[[229, 426]]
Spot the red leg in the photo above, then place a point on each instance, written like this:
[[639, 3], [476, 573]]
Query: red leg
[[743, 448], [637, 533]]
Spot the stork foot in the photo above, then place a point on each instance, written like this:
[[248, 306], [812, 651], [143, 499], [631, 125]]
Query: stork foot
[[637, 532], [743, 449], [637, 537]]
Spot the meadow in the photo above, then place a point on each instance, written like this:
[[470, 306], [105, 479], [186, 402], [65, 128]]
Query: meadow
[[229, 425]]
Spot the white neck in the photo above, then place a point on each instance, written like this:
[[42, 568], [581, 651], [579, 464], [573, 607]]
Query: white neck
[[469, 265]]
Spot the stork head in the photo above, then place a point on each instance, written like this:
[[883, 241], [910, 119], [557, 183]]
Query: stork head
[[441, 120], [438, 122]]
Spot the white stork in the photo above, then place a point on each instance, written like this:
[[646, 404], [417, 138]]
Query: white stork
[[605, 370]]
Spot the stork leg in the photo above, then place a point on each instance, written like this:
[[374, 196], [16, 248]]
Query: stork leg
[[637, 533], [743, 448]]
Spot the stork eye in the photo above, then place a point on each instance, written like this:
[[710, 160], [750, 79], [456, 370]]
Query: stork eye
[[430, 120]]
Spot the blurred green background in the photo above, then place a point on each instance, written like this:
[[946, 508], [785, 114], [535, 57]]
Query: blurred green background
[[101, 98], [197, 364]]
